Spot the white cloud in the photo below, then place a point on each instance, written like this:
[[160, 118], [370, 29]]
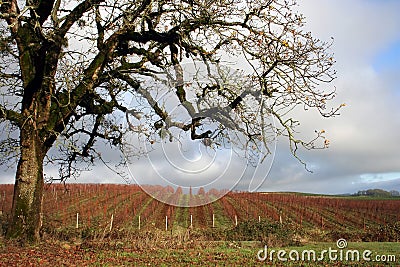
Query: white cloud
[[360, 27], [365, 137]]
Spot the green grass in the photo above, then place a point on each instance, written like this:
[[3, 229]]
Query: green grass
[[164, 251], [239, 254], [221, 255]]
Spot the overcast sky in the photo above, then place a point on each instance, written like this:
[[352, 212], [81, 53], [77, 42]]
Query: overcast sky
[[364, 150]]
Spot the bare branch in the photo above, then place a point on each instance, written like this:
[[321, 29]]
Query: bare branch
[[76, 14], [11, 115]]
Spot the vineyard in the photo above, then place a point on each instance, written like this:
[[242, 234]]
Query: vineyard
[[106, 206]]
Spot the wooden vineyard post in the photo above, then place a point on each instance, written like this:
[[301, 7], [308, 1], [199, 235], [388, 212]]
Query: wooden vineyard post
[[2, 202], [139, 222], [77, 221], [259, 219], [280, 219], [166, 223], [191, 221], [236, 222], [213, 220], [111, 222]]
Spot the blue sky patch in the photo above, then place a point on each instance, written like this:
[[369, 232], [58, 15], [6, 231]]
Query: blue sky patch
[[388, 59]]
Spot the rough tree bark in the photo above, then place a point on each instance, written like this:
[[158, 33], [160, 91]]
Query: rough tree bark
[[26, 217], [28, 189]]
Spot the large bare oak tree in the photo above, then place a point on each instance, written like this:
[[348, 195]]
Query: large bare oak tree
[[67, 67]]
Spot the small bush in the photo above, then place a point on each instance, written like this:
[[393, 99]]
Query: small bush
[[211, 234], [387, 233], [272, 234], [381, 233], [350, 235]]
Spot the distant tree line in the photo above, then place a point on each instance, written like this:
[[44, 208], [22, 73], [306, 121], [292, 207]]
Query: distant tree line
[[378, 193]]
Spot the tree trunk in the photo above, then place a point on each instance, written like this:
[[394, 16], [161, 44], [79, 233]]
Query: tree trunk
[[26, 217]]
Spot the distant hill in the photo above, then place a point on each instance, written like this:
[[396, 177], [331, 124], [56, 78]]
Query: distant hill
[[378, 193]]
